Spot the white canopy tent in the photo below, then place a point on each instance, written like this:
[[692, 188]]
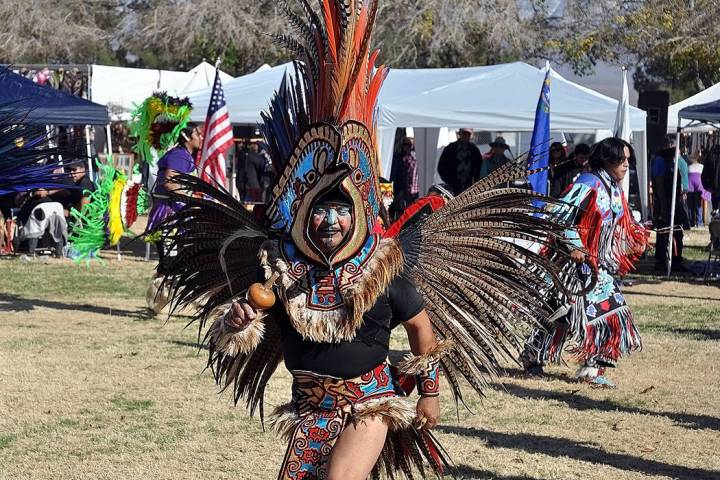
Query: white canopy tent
[[706, 96], [498, 98], [707, 114], [246, 96], [202, 76], [120, 88]]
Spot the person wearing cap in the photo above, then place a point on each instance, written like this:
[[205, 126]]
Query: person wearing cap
[[460, 162], [497, 157]]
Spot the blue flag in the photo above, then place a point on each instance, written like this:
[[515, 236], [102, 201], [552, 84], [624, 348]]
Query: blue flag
[[539, 156]]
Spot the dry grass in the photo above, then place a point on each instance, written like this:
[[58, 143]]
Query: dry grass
[[90, 388]]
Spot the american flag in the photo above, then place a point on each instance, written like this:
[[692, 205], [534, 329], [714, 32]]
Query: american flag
[[218, 137]]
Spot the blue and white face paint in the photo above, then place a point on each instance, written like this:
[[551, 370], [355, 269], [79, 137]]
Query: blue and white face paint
[[331, 222]]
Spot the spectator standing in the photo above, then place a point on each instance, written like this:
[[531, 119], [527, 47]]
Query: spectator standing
[[460, 162], [711, 175], [565, 174], [251, 173], [404, 176], [696, 192], [496, 157], [662, 173], [558, 155]]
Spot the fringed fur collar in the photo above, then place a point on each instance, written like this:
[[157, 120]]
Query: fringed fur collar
[[359, 291]]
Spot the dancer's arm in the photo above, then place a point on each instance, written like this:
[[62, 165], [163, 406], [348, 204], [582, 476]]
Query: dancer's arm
[[422, 344], [170, 185]]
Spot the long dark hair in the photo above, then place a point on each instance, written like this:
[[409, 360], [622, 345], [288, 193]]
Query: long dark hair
[[609, 151], [186, 133]]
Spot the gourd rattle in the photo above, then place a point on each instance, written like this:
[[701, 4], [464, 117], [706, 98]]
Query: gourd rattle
[[260, 295]]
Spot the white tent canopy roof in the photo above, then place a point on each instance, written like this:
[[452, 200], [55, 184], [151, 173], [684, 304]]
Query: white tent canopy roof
[[202, 76], [246, 96], [120, 88], [493, 98], [498, 97], [708, 95]]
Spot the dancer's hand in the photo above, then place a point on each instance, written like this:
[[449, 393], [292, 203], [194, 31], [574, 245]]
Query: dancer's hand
[[239, 315], [428, 412], [577, 256]]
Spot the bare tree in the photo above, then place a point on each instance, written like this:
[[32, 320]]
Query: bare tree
[[433, 33], [179, 31], [410, 33], [52, 31], [673, 39]]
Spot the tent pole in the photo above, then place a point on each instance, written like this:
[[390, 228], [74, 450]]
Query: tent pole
[[671, 233], [645, 183], [233, 175], [108, 141], [89, 152]]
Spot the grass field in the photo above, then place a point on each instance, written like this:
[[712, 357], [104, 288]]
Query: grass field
[[91, 387]]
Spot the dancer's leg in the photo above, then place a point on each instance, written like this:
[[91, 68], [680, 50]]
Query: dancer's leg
[[357, 450]]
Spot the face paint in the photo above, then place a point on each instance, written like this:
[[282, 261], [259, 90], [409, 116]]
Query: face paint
[[330, 224]]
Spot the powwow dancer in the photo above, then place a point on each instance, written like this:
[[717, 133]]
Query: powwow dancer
[[605, 242], [161, 125], [179, 159], [462, 288]]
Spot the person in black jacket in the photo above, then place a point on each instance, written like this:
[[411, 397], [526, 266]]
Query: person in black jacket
[[662, 170], [711, 175], [460, 162], [252, 167]]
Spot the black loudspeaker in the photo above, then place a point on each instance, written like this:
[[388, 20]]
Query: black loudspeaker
[[655, 103]]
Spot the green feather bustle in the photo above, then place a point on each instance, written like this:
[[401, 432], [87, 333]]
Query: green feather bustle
[[152, 121], [90, 224]]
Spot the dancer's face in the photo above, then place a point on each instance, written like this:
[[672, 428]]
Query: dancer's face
[[619, 170], [330, 223], [195, 141]]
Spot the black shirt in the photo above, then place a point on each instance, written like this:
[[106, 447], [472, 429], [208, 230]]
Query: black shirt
[[77, 193], [350, 359], [459, 165]]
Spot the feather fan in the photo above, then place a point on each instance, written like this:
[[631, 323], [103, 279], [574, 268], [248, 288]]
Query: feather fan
[[477, 262]]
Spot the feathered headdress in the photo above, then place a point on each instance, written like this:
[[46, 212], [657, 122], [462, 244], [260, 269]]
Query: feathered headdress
[[321, 123], [157, 123]]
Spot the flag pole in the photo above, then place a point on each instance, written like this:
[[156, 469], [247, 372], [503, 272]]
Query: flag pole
[[231, 187], [621, 129]]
